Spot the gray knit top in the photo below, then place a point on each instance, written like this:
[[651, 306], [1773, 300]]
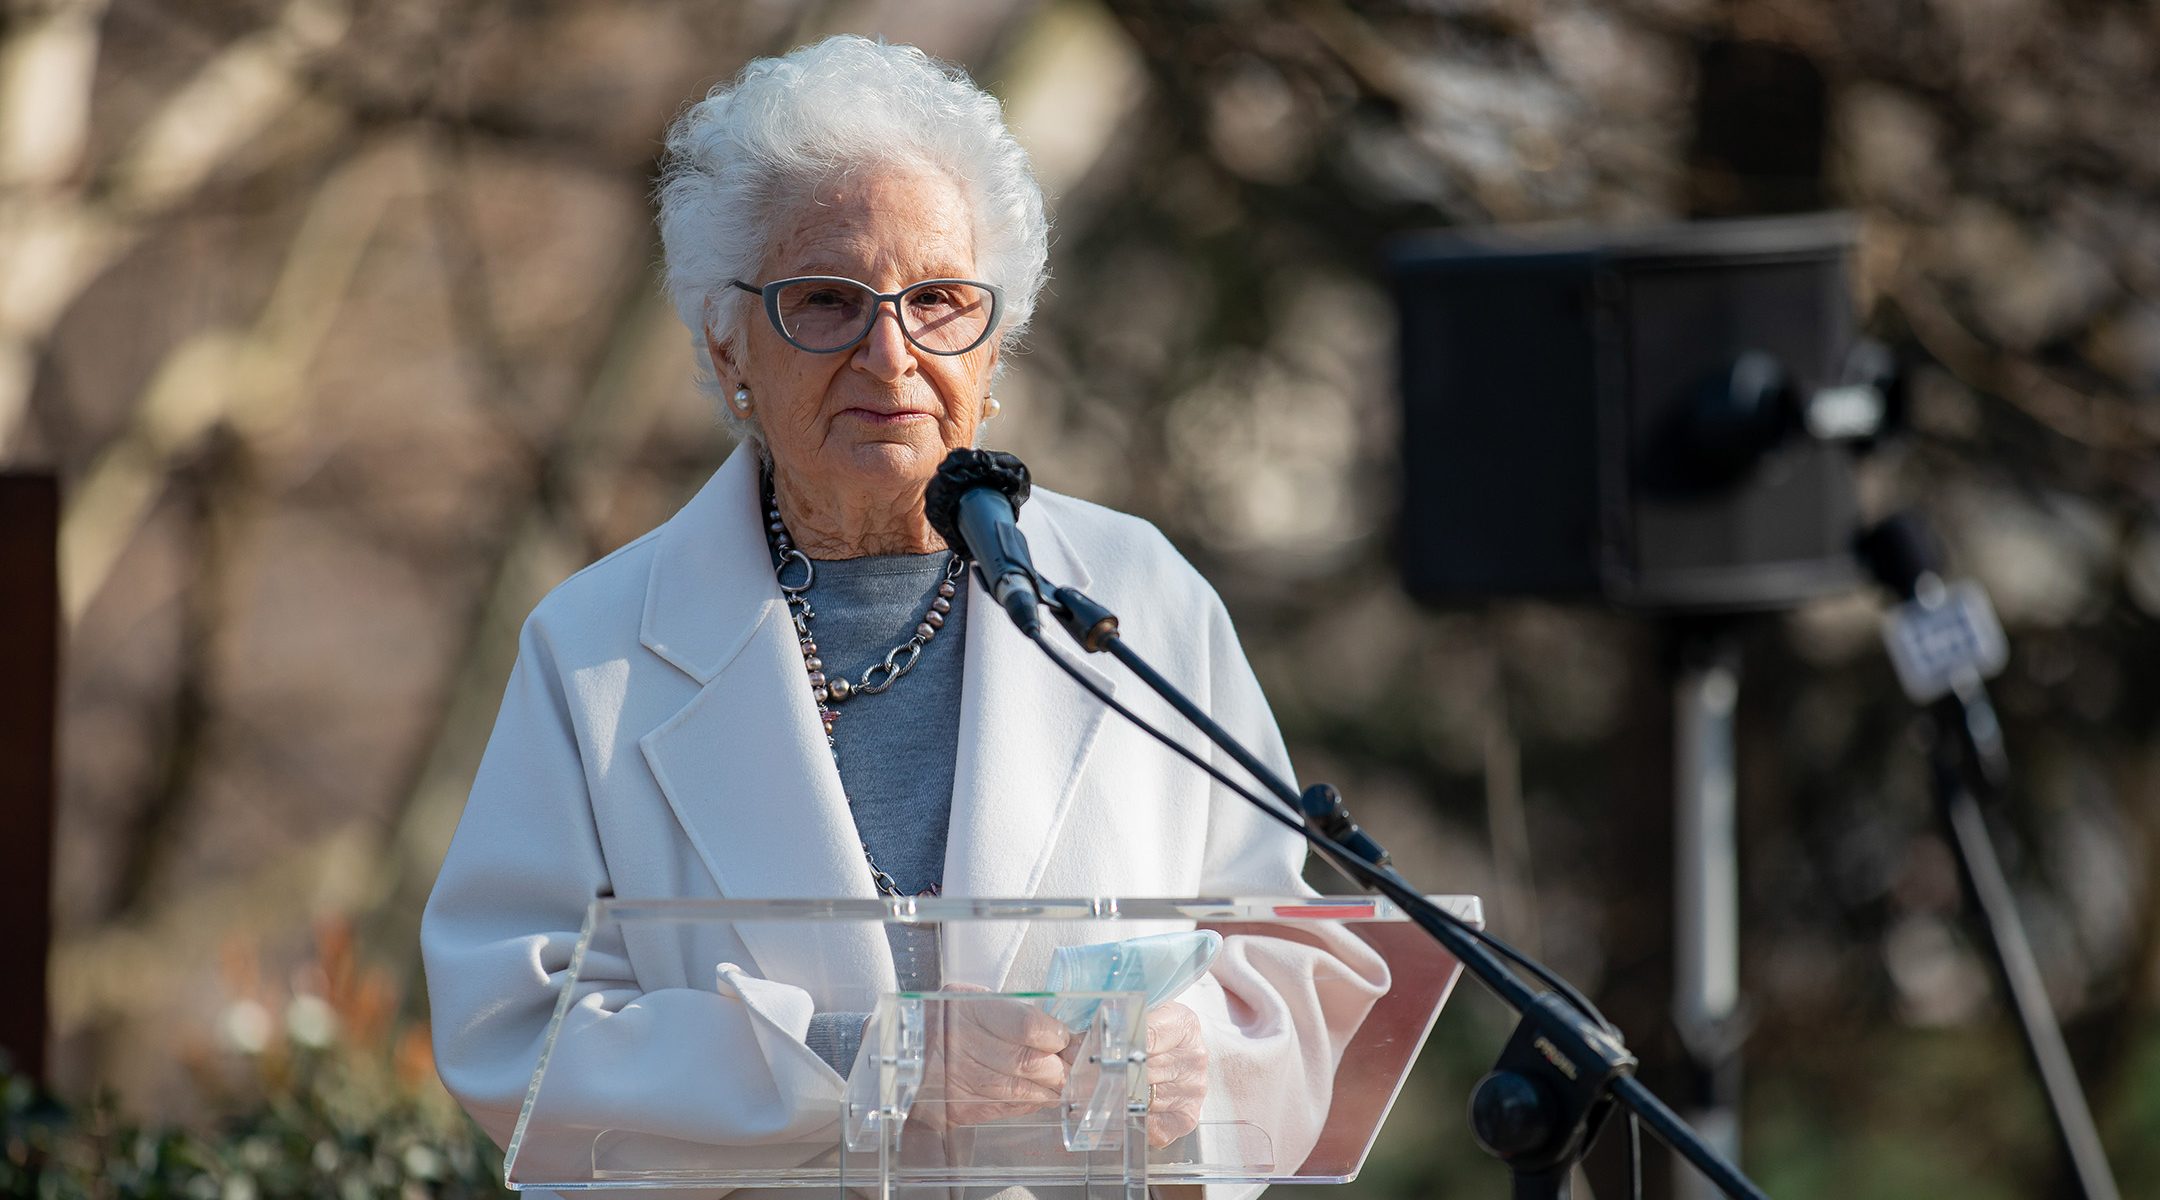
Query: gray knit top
[[895, 748]]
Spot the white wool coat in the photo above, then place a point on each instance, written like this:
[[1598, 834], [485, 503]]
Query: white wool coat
[[658, 739]]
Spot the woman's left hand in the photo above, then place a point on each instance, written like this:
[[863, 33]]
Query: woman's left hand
[[1177, 1071]]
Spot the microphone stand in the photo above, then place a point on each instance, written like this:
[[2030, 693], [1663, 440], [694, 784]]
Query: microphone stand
[[1969, 764], [1563, 1070], [1965, 755]]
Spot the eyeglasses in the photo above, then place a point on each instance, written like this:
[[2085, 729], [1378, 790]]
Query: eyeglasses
[[825, 314]]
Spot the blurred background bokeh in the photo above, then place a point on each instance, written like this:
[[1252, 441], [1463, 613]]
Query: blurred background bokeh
[[338, 322]]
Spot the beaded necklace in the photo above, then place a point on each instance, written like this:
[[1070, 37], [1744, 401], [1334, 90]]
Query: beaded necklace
[[832, 690]]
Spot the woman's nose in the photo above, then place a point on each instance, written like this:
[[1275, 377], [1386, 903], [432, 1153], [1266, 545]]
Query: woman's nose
[[885, 351]]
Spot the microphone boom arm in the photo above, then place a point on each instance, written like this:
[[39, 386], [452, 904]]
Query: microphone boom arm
[[1565, 1067]]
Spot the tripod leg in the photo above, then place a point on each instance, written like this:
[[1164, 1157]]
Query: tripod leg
[[1989, 894]]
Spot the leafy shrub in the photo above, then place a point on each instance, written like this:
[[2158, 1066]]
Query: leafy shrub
[[325, 1137], [316, 1088]]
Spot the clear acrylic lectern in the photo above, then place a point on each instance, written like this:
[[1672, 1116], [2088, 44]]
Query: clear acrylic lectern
[[968, 1046]]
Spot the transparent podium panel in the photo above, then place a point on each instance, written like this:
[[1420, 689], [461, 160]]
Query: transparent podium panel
[[965, 1046]]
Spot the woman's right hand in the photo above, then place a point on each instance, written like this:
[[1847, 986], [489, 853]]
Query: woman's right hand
[[988, 1060]]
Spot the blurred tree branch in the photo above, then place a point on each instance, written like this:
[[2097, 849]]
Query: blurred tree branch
[[57, 232]]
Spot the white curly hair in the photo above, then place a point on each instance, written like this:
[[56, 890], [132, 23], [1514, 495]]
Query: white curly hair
[[739, 157]]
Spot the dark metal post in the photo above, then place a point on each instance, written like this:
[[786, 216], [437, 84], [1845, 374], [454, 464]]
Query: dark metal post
[[29, 698]]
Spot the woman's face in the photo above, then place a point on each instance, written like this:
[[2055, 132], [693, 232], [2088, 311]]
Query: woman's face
[[876, 419]]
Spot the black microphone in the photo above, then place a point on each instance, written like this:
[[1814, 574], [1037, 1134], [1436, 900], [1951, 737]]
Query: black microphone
[[1901, 553], [1944, 640], [974, 503]]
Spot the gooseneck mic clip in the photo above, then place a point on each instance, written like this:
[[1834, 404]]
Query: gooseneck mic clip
[[1325, 811]]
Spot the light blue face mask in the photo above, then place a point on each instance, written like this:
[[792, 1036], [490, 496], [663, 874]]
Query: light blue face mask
[[1162, 965]]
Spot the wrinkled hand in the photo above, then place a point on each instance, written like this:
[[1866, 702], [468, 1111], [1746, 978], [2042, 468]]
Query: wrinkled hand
[[1177, 1068], [987, 1060]]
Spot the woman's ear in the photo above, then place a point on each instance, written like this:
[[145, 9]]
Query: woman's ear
[[726, 370]]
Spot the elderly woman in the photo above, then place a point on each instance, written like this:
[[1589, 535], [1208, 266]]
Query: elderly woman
[[854, 240]]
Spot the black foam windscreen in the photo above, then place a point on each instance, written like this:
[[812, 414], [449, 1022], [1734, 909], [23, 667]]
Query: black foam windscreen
[[1898, 551], [961, 472]]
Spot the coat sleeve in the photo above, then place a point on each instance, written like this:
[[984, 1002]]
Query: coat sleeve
[[719, 1068], [1247, 853], [1279, 1010]]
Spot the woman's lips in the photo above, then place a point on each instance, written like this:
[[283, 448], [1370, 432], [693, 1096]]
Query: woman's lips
[[875, 417]]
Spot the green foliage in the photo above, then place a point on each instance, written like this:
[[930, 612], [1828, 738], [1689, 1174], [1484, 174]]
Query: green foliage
[[332, 1133]]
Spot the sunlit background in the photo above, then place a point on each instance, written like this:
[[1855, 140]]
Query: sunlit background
[[339, 325]]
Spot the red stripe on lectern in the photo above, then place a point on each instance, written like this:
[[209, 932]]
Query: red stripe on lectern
[[1323, 910]]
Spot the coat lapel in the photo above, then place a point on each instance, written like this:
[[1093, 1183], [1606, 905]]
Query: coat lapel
[[1025, 733], [746, 771], [744, 765]]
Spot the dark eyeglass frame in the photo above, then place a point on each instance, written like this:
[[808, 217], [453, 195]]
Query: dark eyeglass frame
[[770, 294]]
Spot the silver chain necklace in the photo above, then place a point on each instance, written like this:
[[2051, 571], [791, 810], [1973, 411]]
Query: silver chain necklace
[[834, 689]]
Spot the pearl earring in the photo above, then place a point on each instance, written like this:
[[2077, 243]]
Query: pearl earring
[[740, 402], [991, 407]]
